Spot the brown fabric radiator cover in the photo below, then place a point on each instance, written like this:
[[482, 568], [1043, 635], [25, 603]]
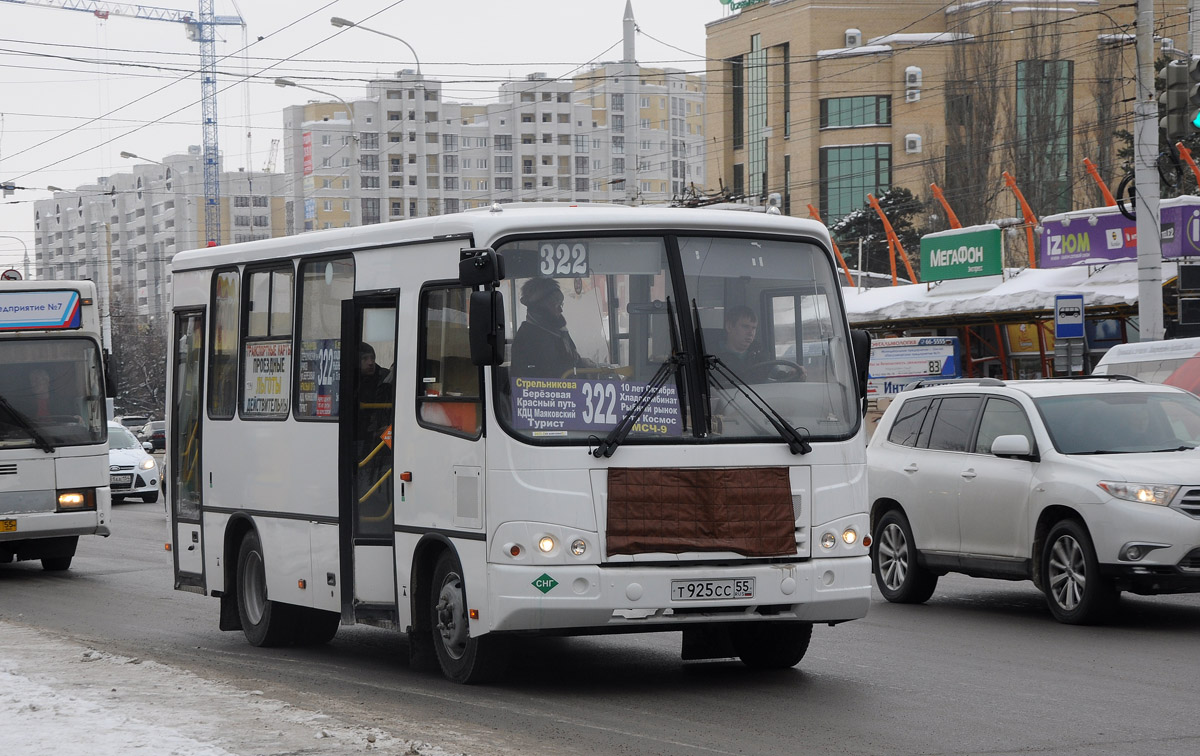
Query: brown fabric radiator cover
[[744, 510]]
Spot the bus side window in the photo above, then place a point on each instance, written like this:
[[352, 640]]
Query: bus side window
[[448, 386]]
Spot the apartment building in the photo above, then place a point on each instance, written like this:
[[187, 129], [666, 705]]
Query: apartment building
[[123, 230], [617, 132], [826, 101]]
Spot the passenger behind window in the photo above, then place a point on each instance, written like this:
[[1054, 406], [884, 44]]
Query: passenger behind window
[[543, 348]]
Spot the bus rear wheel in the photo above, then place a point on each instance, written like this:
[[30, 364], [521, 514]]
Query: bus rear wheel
[[265, 622], [773, 645], [464, 659]]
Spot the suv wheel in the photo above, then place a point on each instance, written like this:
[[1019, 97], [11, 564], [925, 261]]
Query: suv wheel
[[1075, 591], [894, 555]]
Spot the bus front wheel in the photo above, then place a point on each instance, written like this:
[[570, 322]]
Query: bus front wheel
[[464, 659], [265, 622]]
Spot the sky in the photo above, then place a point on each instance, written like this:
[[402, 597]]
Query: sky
[[76, 91]]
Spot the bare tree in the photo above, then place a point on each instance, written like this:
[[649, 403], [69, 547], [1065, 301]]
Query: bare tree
[[139, 360], [976, 82], [1097, 140], [1041, 121]]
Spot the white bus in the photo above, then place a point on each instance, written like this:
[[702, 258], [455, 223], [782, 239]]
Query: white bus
[[362, 432], [1175, 362], [54, 477]]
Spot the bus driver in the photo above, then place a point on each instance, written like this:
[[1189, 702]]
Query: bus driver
[[542, 347]]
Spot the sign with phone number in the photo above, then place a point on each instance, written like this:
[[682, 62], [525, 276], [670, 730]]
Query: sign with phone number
[[555, 406]]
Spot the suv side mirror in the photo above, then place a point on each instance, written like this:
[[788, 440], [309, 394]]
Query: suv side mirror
[[1011, 446], [486, 327]]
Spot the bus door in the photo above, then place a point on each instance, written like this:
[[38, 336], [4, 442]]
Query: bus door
[[184, 463], [367, 510]]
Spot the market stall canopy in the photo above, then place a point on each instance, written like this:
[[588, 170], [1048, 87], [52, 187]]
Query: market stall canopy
[[1019, 294]]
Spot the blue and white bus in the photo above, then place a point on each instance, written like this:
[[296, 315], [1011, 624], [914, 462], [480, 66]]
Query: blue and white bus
[[54, 476]]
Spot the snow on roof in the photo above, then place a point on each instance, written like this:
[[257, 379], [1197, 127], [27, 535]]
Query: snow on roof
[[924, 38], [1019, 290], [847, 52], [963, 230]]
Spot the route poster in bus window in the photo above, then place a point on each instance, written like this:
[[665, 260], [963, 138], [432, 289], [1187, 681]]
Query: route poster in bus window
[[268, 373], [320, 373], [553, 407]]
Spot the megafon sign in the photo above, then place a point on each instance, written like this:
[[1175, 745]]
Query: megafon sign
[[961, 253]]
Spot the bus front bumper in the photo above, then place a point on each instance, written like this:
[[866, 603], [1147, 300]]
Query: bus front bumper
[[624, 598]]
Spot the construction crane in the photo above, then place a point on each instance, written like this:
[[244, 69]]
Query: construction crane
[[200, 27], [270, 166]]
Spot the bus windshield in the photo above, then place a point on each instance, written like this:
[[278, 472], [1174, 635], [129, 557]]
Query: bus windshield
[[52, 392], [595, 320]]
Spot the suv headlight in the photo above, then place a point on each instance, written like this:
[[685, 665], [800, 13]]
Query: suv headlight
[[1146, 493]]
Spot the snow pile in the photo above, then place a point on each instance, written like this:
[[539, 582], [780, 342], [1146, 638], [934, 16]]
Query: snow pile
[[59, 698]]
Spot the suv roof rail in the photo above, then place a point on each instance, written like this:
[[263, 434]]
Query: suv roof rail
[[1113, 377], [922, 383]]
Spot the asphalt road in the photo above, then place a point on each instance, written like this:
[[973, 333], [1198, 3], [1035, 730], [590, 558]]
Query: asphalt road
[[981, 668]]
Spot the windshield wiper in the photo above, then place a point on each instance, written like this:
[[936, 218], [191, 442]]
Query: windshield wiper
[[27, 425], [621, 430], [795, 441]]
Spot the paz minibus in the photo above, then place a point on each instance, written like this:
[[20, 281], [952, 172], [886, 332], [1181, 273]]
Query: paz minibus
[[518, 421], [54, 476]]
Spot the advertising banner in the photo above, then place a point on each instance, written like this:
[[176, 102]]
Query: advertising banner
[[961, 253], [307, 146], [1023, 338], [320, 377], [552, 407], [1104, 235], [268, 372], [895, 363]]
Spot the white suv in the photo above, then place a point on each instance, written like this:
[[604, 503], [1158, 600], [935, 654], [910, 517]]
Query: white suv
[[1088, 487]]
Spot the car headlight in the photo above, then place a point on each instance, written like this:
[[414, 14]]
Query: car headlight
[[1146, 493], [147, 464]]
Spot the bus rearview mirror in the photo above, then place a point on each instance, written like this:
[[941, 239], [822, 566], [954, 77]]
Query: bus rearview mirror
[[487, 327], [860, 342], [480, 267]]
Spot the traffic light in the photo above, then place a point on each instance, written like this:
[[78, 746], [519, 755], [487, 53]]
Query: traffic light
[[1193, 88], [1175, 100]]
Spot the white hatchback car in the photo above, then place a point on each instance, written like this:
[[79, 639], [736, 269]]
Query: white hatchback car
[[1087, 487], [131, 469]]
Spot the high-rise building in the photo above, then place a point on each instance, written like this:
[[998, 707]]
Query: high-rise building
[[123, 230], [617, 132]]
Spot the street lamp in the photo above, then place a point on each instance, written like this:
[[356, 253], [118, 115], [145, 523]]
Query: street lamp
[[341, 22], [422, 199], [131, 156], [355, 207]]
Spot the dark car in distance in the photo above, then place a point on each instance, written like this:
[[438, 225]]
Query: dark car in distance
[[155, 432]]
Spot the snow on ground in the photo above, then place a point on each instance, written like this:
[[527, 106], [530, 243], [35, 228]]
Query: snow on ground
[[64, 699]]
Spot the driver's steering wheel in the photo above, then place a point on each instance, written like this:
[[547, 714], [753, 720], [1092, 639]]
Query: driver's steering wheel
[[776, 371]]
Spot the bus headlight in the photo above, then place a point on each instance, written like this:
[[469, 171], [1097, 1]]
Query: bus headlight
[[546, 544], [849, 536], [578, 546], [69, 501], [828, 541]]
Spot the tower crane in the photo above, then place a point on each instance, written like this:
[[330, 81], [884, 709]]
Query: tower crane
[[270, 166], [200, 27]]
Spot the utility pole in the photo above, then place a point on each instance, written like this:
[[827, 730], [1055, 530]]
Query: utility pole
[[633, 110], [1145, 179]]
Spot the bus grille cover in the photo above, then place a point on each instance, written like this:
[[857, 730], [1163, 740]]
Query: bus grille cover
[[747, 511]]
